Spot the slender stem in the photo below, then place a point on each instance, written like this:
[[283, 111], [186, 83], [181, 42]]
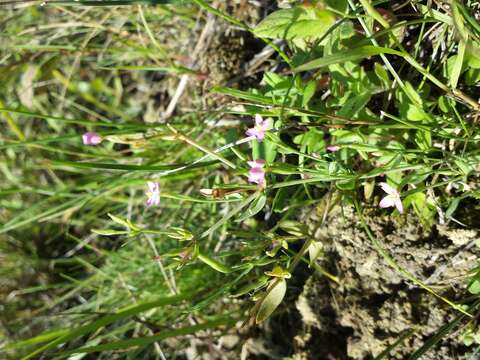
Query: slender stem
[[213, 154]]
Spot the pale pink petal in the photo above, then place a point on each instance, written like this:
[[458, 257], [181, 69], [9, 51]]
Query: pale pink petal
[[153, 186], [265, 125], [333, 148], [256, 175], [153, 193], [399, 205], [388, 189], [387, 201], [259, 129], [154, 199], [259, 134], [259, 120], [256, 163], [257, 172], [256, 180]]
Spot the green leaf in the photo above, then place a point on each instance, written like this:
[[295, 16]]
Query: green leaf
[[423, 139], [382, 74], [254, 208], [214, 264], [294, 228], [279, 272], [346, 55], [251, 286], [339, 5], [423, 207], [472, 55], [443, 104], [452, 207], [474, 287], [119, 221], [272, 299], [464, 166], [180, 234], [110, 232], [309, 92], [458, 65], [354, 105], [295, 23], [472, 76], [346, 185]]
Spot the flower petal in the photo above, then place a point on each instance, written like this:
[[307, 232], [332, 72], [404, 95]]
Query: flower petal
[[252, 132], [388, 189], [259, 181], [259, 120], [91, 138], [399, 205], [257, 132], [154, 199], [153, 186], [256, 175], [257, 164], [387, 201]]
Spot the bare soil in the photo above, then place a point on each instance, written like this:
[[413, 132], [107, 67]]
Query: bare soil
[[373, 306]]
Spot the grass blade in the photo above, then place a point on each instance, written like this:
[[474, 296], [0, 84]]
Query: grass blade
[[346, 55]]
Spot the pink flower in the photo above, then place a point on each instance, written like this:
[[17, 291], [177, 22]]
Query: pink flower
[[259, 129], [257, 173], [91, 138], [392, 198], [153, 193], [333, 148]]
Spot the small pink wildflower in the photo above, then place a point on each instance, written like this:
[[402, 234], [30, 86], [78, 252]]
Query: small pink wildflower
[[259, 129], [91, 138], [333, 148], [153, 193], [257, 172], [392, 198]]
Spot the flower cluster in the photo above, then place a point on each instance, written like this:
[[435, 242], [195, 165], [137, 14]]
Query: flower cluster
[[256, 173]]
